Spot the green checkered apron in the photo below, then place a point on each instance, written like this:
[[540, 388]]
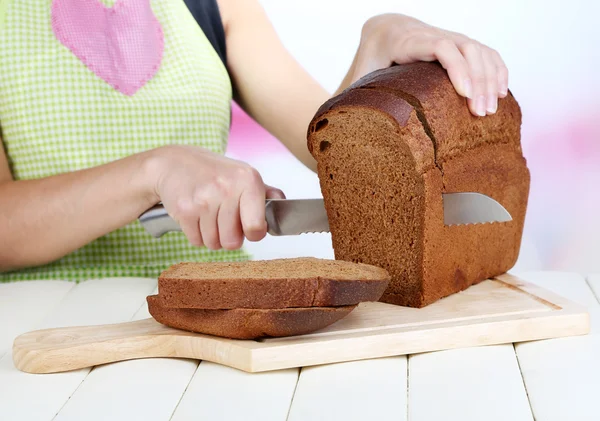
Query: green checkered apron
[[57, 115]]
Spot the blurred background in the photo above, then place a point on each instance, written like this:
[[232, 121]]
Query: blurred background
[[552, 52]]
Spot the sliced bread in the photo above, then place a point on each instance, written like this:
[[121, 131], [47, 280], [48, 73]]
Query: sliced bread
[[270, 284], [245, 323]]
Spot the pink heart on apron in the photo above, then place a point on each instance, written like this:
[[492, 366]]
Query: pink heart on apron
[[123, 44]]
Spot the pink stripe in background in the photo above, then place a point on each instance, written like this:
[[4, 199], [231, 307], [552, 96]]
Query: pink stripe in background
[[248, 139], [564, 200]]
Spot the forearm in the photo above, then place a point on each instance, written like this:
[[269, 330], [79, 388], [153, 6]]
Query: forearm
[[44, 219], [349, 77], [272, 87], [286, 116]]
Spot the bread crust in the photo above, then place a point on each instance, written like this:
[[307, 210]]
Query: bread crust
[[270, 284], [445, 115], [247, 323]]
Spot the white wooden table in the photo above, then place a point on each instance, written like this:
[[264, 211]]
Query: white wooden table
[[547, 380]]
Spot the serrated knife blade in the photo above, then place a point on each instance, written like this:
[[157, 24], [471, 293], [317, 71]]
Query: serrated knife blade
[[302, 216], [472, 208], [296, 216]]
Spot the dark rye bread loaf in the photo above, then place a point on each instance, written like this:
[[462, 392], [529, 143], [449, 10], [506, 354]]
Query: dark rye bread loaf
[[387, 148], [270, 284], [245, 323]]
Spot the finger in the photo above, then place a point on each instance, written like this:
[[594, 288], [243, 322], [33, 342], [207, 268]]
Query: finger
[[472, 53], [191, 229], [199, 232], [367, 64], [209, 229], [187, 219], [502, 72], [451, 59], [444, 50], [231, 236], [274, 192], [491, 77], [252, 211]]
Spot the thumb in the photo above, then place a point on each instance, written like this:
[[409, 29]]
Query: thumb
[[274, 193], [367, 61]]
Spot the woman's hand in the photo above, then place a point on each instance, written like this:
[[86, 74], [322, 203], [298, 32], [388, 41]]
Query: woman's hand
[[476, 71], [216, 200]]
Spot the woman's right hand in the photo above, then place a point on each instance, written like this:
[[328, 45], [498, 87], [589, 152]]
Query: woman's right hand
[[216, 200]]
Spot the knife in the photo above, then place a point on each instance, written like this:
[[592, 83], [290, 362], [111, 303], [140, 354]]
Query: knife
[[302, 216]]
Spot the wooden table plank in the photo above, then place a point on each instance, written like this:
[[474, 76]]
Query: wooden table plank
[[218, 392], [593, 281], [481, 383], [562, 376], [133, 390], [40, 397], [146, 389], [25, 304], [360, 390]]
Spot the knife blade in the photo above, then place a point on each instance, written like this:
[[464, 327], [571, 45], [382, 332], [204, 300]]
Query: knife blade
[[284, 217], [302, 216], [467, 208]]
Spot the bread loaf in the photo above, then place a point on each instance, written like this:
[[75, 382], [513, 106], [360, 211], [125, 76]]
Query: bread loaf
[[386, 149], [246, 323], [270, 284]]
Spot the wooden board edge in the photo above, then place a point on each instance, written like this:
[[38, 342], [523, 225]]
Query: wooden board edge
[[41, 351], [396, 343], [539, 293], [52, 361], [233, 353]]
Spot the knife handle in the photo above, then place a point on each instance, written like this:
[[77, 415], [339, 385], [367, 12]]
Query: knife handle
[[157, 222]]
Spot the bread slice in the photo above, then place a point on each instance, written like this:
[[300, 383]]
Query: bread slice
[[270, 284], [386, 149], [247, 323]]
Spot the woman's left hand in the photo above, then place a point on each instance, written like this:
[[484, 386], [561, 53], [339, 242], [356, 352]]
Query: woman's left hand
[[476, 71]]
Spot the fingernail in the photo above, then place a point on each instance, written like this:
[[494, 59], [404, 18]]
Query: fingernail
[[504, 89], [278, 195], [468, 88], [492, 104], [480, 106]]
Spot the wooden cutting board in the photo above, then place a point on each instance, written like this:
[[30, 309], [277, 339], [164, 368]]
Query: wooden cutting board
[[500, 310]]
